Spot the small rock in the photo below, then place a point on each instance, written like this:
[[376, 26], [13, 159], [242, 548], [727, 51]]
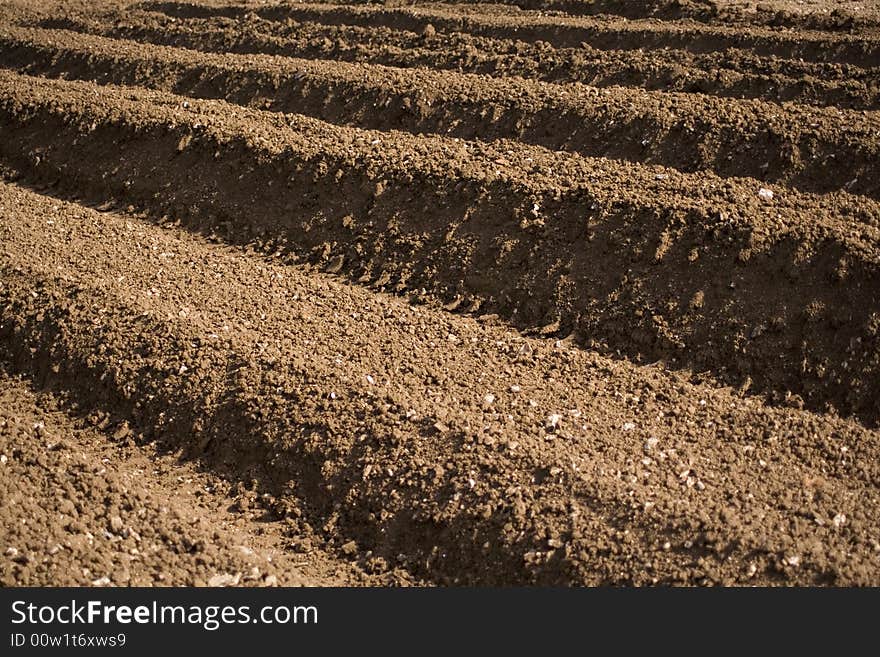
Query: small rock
[[489, 399], [628, 426], [122, 432], [223, 579], [116, 524], [553, 420], [839, 520], [271, 580], [335, 265], [429, 31], [765, 194], [515, 388], [101, 581], [349, 549]]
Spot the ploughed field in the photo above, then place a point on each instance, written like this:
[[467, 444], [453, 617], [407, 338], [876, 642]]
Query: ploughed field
[[556, 292]]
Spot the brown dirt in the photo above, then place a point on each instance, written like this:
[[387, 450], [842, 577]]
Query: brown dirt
[[86, 502], [416, 325], [559, 31], [732, 73], [811, 149], [845, 15]]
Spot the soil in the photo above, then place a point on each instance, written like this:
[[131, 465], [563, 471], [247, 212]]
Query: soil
[[86, 502], [846, 15], [357, 294], [730, 73]]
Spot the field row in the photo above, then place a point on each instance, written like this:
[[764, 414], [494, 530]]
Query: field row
[[816, 150], [456, 450], [542, 292], [849, 15], [774, 293], [558, 31], [730, 73]]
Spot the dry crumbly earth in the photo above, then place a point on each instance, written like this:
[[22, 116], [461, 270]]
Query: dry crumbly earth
[[87, 504], [563, 292]]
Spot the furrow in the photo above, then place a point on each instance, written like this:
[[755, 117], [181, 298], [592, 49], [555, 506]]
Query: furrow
[[561, 31], [733, 74], [497, 459], [809, 149], [87, 503], [778, 295], [847, 16]]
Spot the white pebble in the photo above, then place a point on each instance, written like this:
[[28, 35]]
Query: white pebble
[[628, 426], [489, 399], [224, 579], [765, 194], [839, 520]]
